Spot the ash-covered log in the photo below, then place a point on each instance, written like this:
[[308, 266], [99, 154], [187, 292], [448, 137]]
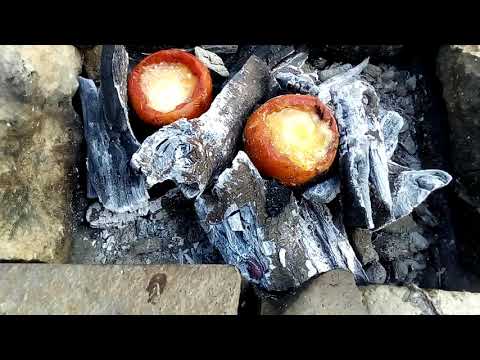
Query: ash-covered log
[[277, 252], [354, 160], [109, 137], [300, 83], [392, 124], [411, 188], [191, 152], [363, 158]]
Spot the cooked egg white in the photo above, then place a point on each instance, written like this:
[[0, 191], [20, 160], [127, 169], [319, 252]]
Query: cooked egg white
[[299, 135], [167, 85]]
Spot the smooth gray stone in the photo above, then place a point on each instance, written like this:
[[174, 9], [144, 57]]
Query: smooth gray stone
[[43, 289], [376, 273]]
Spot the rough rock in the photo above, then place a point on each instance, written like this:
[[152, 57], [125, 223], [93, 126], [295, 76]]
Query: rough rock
[[332, 293], [400, 271], [119, 290], [411, 300], [40, 134], [390, 246], [458, 67], [91, 62], [362, 243], [39, 74]]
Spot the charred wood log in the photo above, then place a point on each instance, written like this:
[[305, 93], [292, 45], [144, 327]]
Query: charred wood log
[[110, 140], [277, 252], [191, 152]]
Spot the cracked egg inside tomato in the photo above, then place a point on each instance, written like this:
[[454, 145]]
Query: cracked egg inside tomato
[[169, 85], [292, 138]]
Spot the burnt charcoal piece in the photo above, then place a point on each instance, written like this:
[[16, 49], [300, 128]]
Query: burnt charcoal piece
[[277, 252], [109, 138], [296, 60], [354, 160], [191, 152], [329, 73], [325, 191], [392, 124], [333, 243], [411, 188], [221, 49], [211, 61], [298, 83], [100, 218], [277, 197], [272, 55], [380, 195]]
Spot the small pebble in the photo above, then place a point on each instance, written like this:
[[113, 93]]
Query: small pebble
[[401, 91], [389, 86], [388, 75], [411, 83]]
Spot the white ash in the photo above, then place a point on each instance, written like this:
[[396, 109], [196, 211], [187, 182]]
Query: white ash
[[165, 232]]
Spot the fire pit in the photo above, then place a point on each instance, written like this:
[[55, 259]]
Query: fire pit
[[188, 190], [275, 170]]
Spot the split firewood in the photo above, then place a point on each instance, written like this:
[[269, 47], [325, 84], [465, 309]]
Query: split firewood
[[109, 137], [191, 152]]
